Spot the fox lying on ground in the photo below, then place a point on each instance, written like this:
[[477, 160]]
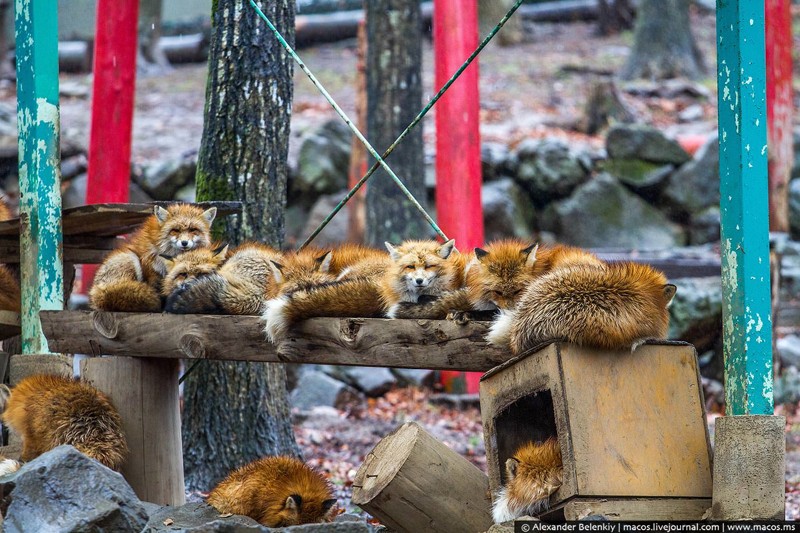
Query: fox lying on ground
[[9, 286], [130, 278], [532, 475], [188, 266], [275, 491], [47, 411]]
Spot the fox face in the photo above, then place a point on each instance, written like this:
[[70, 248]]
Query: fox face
[[297, 510], [302, 270], [421, 267], [498, 276], [183, 228], [190, 265]]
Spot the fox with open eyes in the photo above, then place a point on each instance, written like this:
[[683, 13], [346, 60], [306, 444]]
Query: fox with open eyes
[[130, 278]]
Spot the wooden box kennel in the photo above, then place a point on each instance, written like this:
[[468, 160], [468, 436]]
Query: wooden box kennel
[[631, 427]]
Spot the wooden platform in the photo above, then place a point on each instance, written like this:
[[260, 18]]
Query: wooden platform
[[433, 344], [91, 231], [9, 324]]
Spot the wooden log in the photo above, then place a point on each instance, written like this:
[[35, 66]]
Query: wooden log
[[630, 509], [412, 482], [434, 344], [145, 392]]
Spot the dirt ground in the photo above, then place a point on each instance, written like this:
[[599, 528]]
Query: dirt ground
[[531, 90]]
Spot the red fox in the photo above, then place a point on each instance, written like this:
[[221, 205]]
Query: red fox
[[276, 492], [239, 287], [190, 265], [532, 475], [129, 278], [9, 287], [608, 306], [48, 411], [414, 269]]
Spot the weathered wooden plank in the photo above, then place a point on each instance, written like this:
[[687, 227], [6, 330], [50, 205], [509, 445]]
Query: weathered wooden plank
[[630, 509], [436, 344], [9, 324], [108, 220], [77, 249]]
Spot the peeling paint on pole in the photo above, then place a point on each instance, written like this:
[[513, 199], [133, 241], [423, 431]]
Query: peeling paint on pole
[[39, 168], [747, 325]]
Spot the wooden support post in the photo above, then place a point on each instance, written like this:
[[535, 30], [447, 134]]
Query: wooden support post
[[779, 110], [746, 311], [145, 392], [36, 30], [412, 482]]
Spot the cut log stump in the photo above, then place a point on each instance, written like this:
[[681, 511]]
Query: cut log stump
[[412, 482]]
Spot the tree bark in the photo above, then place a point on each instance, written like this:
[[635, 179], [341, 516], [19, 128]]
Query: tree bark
[[664, 46], [394, 97], [614, 16], [236, 412]]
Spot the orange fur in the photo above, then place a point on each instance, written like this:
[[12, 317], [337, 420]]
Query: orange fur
[[609, 307], [48, 411], [355, 260], [191, 265], [140, 262], [5, 210], [276, 492], [532, 475], [500, 272], [9, 286]]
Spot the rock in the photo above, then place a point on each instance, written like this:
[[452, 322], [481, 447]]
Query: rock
[[187, 193], [371, 380], [75, 193], [644, 178], [416, 377], [336, 230], [705, 226], [456, 401], [496, 161], [63, 490], [507, 210], [199, 517], [713, 392], [692, 113], [315, 388], [796, 146], [638, 141], [794, 209], [548, 170], [344, 526], [787, 386], [696, 312], [162, 180], [789, 350], [323, 162], [695, 185], [603, 213]]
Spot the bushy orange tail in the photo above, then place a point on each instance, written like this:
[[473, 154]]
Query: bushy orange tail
[[347, 298], [9, 291], [125, 296]]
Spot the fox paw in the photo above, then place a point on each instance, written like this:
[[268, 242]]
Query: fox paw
[[459, 317]]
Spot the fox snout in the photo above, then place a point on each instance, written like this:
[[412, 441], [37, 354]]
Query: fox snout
[[419, 279], [184, 242]]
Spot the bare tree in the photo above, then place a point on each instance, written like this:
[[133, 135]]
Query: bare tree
[[234, 411], [664, 46]]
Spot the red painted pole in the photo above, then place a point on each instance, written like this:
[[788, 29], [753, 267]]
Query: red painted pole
[[113, 87], [458, 145], [779, 109]]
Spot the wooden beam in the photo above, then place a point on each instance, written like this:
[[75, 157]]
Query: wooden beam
[[436, 344]]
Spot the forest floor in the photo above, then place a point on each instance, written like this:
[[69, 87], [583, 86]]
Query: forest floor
[[531, 90]]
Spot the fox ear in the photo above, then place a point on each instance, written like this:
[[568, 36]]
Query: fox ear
[[480, 253], [530, 251], [293, 503], [324, 262], [447, 248], [327, 505], [5, 393], [209, 214], [393, 253], [221, 250], [669, 292], [277, 271], [511, 468], [161, 214]]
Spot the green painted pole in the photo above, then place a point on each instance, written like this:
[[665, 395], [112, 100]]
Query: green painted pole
[[36, 31], [746, 312]]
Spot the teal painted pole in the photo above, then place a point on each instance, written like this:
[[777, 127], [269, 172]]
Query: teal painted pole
[[746, 312], [36, 30]]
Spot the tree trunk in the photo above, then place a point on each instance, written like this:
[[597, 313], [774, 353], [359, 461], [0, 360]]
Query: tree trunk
[[150, 32], [664, 46], [394, 97], [236, 412], [614, 16], [489, 14]]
